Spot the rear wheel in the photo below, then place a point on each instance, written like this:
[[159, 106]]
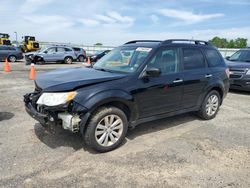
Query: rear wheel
[[81, 58], [210, 105], [12, 58], [68, 60], [106, 130]]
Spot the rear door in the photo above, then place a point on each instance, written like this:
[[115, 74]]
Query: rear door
[[196, 75], [60, 54]]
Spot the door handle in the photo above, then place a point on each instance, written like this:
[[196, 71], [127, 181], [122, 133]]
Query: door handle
[[208, 75], [178, 81]]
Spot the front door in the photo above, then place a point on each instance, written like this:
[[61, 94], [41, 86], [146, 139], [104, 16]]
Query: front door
[[161, 94], [50, 54]]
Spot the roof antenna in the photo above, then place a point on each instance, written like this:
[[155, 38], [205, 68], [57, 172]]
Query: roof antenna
[[191, 40]]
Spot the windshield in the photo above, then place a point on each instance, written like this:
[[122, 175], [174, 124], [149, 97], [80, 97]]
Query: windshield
[[42, 49], [242, 55], [98, 52], [123, 59]]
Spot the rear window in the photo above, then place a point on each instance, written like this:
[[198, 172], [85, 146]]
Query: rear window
[[77, 49], [68, 50], [213, 58], [193, 59]]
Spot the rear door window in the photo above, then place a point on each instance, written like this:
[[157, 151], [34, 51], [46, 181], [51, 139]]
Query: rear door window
[[11, 48], [213, 58], [193, 59], [61, 50]]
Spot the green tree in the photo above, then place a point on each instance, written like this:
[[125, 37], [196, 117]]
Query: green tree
[[231, 44], [240, 43], [224, 43], [98, 44]]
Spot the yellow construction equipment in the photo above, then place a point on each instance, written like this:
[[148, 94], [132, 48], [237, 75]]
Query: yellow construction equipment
[[30, 44], [4, 39]]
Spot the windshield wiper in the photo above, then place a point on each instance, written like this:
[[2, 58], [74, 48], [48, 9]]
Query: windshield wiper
[[100, 69]]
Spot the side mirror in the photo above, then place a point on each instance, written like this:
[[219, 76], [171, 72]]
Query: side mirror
[[45, 52], [151, 72], [227, 58]]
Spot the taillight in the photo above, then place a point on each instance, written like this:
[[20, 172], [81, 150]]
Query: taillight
[[228, 72]]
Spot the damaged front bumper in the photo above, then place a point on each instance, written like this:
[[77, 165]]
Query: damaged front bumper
[[72, 116]]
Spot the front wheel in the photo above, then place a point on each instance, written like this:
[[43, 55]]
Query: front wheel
[[106, 130], [210, 105], [12, 58]]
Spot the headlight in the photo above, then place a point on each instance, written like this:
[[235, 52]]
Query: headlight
[[54, 99], [248, 72]]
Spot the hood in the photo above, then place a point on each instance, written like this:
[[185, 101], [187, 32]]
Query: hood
[[238, 64], [71, 79]]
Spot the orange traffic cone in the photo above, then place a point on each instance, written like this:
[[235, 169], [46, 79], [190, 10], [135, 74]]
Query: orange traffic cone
[[89, 62], [32, 72], [6, 66]]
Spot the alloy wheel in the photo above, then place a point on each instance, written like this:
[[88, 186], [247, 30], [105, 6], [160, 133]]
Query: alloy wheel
[[109, 130], [68, 60], [212, 105], [12, 59]]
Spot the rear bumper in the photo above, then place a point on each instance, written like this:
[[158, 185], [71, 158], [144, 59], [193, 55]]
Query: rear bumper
[[241, 84]]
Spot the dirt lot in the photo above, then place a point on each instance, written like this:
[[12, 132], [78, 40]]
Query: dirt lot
[[181, 151]]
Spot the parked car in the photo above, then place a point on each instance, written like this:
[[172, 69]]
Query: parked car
[[80, 54], [11, 53], [239, 66], [137, 82], [64, 54], [98, 55]]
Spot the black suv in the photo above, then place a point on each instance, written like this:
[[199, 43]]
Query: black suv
[[137, 82], [239, 66]]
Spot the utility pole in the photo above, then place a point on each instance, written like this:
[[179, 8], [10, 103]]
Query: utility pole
[[16, 38]]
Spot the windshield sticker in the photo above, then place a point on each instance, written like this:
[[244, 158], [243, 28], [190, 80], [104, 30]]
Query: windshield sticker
[[140, 49]]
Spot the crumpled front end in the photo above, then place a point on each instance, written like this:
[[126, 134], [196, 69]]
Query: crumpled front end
[[69, 115]]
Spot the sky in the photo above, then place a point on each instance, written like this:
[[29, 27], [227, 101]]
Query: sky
[[115, 22]]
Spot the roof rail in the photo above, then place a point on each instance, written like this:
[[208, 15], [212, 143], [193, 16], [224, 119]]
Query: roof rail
[[197, 42], [135, 41]]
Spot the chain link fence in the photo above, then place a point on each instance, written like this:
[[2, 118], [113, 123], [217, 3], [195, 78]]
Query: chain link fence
[[94, 48]]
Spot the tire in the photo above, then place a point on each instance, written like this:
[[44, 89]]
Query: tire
[[99, 134], [210, 105], [68, 60], [12, 58], [81, 58]]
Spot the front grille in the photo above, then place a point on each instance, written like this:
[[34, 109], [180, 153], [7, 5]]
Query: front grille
[[235, 76], [237, 70], [237, 73]]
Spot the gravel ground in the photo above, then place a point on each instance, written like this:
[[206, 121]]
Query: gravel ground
[[182, 151]]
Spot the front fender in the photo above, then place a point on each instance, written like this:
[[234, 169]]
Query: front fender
[[107, 96]]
